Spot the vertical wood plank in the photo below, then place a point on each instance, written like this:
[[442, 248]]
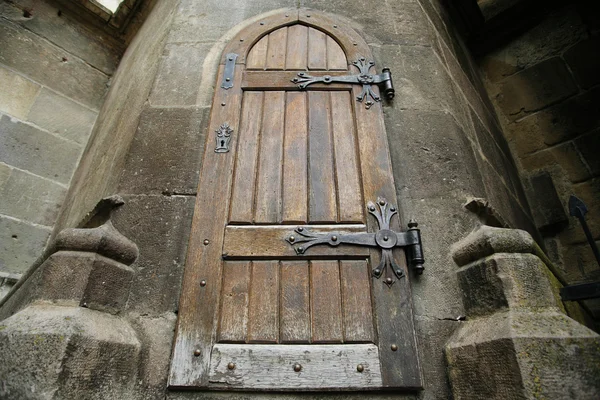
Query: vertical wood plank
[[401, 367], [317, 50], [325, 300], [322, 201], [263, 317], [276, 50], [349, 194], [295, 307], [356, 302], [257, 57], [336, 59], [196, 329], [268, 185], [234, 302], [246, 158], [295, 179], [297, 48]]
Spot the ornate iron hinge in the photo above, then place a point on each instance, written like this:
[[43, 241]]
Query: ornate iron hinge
[[384, 238], [363, 78]]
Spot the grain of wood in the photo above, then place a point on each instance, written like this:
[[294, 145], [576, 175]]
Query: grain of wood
[[317, 50], [276, 50], [351, 204], [322, 200], [356, 301], [336, 59], [268, 367], [325, 300], [268, 182], [263, 307], [257, 58], [297, 48], [295, 306], [234, 302], [246, 159], [295, 158]]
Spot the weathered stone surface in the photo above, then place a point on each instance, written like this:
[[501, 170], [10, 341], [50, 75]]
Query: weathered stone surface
[[548, 211], [62, 116], [101, 166], [584, 61], [179, 75], [107, 286], [50, 65], [20, 244], [173, 169], [68, 353], [589, 147], [29, 197], [565, 155], [29, 148], [160, 226], [17, 94], [96, 48], [535, 88], [520, 354]]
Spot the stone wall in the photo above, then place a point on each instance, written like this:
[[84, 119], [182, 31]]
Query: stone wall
[[544, 86], [54, 73]]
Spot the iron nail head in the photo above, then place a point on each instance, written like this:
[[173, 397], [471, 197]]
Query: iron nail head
[[297, 367], [197, 352], [292, 239], [231, 365], [394, 347], [360, 368], [334, 238], [388, 280], [206, 242], [202, 283]]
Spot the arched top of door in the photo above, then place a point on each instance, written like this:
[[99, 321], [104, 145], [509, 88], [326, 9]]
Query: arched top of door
[[352, 44]]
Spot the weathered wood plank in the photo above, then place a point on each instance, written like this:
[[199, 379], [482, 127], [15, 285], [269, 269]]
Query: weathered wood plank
[[351, 205], [317, 50], [325, 300], [323, 367], [295, 178], [276, 50], [234, 302], [356, 303], [198, 304], [399, 368], [263, 307], [282, 80], [268, 182], [294, 325], [297, 49], [246, 159], [268, 241], [257, 58], [321, 195], [336, 59]]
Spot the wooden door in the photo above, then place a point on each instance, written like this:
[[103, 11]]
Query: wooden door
[[254, 314]]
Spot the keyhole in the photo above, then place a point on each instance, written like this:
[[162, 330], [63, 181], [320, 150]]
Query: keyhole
[[222, 143]]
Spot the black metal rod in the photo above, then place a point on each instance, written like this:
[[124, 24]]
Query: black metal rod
[[590, 238]]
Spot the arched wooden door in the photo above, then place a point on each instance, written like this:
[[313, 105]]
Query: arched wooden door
[[254, 312]]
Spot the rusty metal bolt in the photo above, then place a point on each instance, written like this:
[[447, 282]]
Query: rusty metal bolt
[[297, 367], [394, 347], [231, 365], [360, 368]]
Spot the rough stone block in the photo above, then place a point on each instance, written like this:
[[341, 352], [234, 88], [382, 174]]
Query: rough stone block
[[589, 147], [96, 48], [107, 286], [68, 353], [31, 149], [173, 169], [548, 212], [179, 75], [565, 155], [49, 65], [20, 244], [62, 116], [535, 88], [17, 94], [524, 355], [563, 121], [584, 61], [160, 227], [29, 197]]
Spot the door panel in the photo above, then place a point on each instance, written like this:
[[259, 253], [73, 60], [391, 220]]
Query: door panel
[[254, 313]]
